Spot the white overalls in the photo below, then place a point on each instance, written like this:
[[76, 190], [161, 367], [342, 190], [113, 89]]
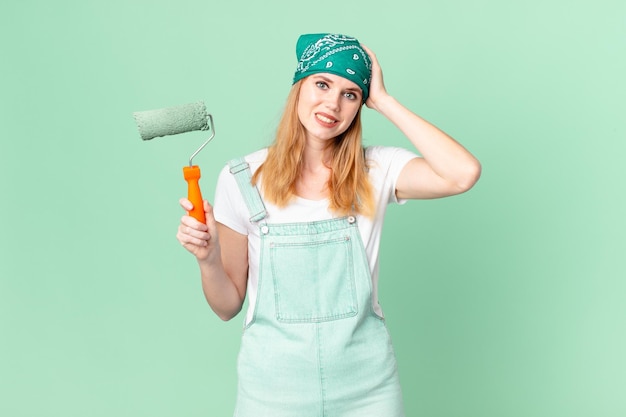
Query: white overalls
[[314, 347]]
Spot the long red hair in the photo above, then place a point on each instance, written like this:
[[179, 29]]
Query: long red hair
[[349, 186]]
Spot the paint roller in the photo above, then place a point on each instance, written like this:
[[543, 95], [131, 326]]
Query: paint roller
[[173, 121]]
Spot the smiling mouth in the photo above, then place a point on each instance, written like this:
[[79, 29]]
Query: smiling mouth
[[325, 119]]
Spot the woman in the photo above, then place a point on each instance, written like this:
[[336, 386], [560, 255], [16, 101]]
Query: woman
[[296, 228]]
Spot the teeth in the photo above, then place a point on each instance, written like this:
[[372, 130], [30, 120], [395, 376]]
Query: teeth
[[325, 119]]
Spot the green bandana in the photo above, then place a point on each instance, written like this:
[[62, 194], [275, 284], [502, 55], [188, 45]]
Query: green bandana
[[336, 54]]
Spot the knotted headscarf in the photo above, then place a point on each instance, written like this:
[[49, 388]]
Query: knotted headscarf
[[336, 54]]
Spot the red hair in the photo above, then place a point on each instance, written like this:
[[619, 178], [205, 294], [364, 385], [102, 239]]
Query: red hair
[[349, 186]]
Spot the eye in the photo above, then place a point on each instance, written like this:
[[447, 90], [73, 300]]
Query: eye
[[350, 95], [321, 84]]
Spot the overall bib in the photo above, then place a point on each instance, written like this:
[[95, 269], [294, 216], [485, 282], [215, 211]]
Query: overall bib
[[314, 347]]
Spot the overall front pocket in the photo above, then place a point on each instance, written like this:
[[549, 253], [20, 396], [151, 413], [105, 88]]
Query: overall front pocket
[[313, 281]]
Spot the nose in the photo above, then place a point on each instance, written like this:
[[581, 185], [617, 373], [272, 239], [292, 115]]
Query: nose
[[333, 101]]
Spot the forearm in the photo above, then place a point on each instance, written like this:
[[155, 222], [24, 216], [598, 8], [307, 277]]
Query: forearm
[[219, 289], [223, 261]]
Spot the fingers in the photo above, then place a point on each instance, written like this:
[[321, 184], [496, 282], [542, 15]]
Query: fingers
[[372, 55], [377, 86], [208, 208], [186, 204], [194, 235], [369, 52], [192, 232], [210, 217], [198, 238]]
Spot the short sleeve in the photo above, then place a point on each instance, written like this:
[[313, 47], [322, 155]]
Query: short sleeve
[[386, 163], [229, 207]]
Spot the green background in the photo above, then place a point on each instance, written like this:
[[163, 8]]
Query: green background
[[506, 301]]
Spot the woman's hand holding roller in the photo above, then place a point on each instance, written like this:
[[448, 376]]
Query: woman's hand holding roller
[[198, 238], [224, 284]]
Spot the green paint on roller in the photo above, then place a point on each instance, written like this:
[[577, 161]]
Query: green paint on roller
[[172, 120]]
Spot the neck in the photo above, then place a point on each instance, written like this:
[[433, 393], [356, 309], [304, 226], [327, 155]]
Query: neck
[[316, 156], [315, 172]]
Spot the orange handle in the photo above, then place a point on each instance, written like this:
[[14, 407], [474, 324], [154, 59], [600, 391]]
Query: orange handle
[[192, 175]]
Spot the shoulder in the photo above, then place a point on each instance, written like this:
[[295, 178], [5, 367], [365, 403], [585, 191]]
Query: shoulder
[[229, 205], [254, 160], [226, 180], [384, 164]]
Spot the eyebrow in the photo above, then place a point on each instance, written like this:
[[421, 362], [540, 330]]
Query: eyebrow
[[349, 89]]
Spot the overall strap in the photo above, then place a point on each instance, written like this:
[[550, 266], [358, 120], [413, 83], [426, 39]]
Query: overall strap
[[241, 170]]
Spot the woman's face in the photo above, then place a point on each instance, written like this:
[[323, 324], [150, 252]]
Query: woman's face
[[327, 105]]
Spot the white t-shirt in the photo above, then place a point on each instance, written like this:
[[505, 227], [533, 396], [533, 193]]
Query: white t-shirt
[[385, 164]]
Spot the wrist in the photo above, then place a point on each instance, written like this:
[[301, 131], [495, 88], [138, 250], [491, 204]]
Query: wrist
[[212, 258], [384, 103]]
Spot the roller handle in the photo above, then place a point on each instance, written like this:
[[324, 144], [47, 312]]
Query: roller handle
[[192, 175]]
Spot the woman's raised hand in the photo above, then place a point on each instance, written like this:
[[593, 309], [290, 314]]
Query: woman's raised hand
[[198, 238], [377, 85]]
